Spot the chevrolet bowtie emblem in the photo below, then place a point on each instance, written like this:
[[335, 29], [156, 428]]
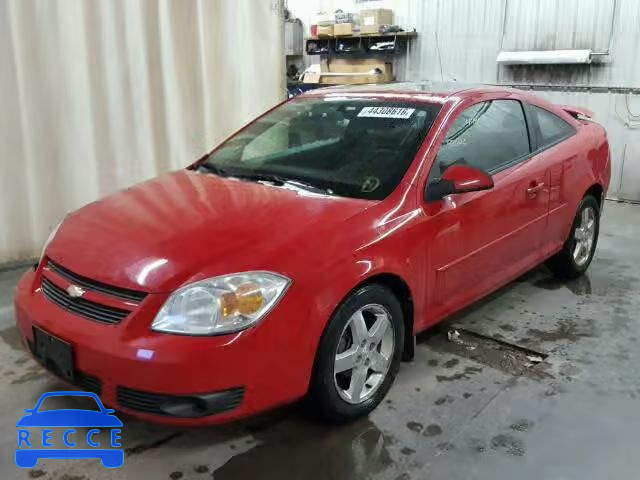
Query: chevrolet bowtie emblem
[[75, 291]]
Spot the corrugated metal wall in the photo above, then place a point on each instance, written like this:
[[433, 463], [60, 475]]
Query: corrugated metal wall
[[460, 39]]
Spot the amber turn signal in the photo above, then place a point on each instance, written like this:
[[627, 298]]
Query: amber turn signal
[[246, 299]]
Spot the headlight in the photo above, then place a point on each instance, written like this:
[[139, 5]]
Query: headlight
[[220, 305], [48, 241]]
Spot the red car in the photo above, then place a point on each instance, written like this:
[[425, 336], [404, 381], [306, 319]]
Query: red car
[[303, 254]]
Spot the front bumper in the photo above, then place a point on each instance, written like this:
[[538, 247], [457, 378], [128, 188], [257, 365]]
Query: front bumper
[[175, 379]]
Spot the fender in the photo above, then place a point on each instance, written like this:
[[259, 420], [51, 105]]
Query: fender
[[341, 281]]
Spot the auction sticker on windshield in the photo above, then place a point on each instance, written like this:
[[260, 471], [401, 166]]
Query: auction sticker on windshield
[[386, 112]]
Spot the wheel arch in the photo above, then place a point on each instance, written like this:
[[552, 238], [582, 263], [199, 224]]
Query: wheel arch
[[597, 191], [400, 288]]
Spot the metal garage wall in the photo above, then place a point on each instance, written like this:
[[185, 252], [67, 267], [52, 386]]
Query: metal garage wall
[[96, 96], [625, 141], [460, 39]]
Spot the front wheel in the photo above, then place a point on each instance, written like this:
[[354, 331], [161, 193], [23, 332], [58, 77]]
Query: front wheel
[[577, 252], [359, 355]]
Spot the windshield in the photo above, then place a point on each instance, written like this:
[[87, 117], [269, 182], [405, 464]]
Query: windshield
[[346, 147]]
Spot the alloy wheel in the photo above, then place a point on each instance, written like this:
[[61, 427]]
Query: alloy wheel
[[584, 236], [364, 354]]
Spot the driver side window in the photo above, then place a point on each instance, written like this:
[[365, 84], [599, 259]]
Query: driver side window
[[489, 135]]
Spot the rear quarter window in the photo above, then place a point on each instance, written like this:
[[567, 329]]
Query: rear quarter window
[[551, 129]]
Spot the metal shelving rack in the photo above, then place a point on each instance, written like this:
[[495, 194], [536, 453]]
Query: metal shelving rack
[[360, 44]]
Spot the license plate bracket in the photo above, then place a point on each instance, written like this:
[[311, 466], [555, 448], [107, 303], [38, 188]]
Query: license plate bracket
[[54, 353]]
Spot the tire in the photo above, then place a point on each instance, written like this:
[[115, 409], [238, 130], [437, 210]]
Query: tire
[[333, 395], [566, 264]]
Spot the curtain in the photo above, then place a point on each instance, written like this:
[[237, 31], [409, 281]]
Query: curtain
[[98, 95]]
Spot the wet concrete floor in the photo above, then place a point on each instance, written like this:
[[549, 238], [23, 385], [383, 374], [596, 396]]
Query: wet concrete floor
[[451, 414]]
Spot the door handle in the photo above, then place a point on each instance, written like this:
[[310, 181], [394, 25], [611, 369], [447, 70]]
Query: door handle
[[533, 190]]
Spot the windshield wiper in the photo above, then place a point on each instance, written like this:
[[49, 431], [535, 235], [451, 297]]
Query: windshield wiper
[[274, 179], [261, 177], [221, 172], [310, 187], [280, 181]]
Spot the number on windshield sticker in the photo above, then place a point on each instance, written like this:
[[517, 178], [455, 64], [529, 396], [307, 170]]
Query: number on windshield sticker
[[386, 112]]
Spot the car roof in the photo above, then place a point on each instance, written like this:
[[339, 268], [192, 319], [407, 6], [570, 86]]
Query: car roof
[[425, 90]]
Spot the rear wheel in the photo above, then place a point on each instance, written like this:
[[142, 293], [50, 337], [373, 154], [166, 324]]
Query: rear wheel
[[359, 355], [577, 252]]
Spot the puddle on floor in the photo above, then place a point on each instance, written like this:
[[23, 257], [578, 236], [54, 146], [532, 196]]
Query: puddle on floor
[[542, 277], [298, 449], [568, 330], [579, 286]]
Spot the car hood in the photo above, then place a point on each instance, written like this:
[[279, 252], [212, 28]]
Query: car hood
[[157, 234]]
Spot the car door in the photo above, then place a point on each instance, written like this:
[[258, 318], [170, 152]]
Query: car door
[[478, 241]]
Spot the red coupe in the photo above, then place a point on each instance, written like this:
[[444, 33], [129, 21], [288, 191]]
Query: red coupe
[[302, 255]]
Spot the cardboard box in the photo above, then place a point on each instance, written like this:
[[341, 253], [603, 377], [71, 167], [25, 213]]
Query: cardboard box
[[343, 29], [311, 77], [312, 74], [358, 71], [371, 19], [325, 30]]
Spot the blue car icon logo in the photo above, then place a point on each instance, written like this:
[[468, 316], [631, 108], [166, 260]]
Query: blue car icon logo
[[34, 444]]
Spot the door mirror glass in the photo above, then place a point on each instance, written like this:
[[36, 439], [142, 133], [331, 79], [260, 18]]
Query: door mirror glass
[[458, 179]]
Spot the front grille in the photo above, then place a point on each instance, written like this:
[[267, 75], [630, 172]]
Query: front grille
[[80, 306], [85, 282], [87, 382], [174, 405]]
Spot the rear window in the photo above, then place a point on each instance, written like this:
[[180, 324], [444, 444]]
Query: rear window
[[551, 128], [348, 147]]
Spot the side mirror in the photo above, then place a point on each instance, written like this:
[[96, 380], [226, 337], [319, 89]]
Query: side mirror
[[458, 179]]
